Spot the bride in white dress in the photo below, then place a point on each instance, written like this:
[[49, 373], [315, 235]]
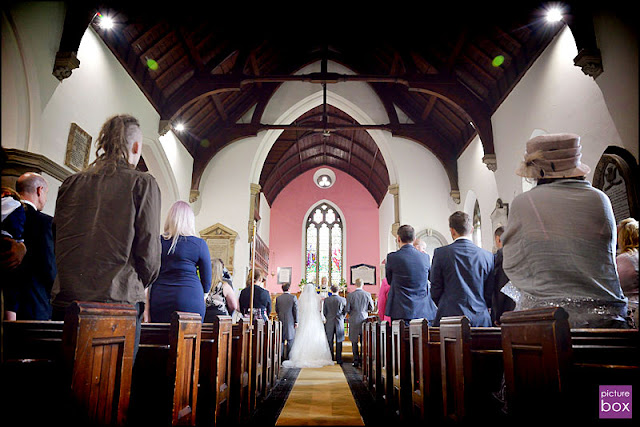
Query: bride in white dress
[[310, 348]]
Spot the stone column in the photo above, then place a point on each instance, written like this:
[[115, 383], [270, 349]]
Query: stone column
[[394, 189]]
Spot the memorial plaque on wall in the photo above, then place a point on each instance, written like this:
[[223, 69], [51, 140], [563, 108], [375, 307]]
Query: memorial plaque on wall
[[365, 272], [613, 177], [221, 242], [78, 146]]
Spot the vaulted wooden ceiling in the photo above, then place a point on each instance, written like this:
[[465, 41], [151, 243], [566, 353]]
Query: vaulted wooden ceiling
[[440, 73]]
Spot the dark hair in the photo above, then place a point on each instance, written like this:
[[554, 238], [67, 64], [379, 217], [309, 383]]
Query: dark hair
[[499, 231], [286, 286], [406, 233], [334, 289], [461, 222]]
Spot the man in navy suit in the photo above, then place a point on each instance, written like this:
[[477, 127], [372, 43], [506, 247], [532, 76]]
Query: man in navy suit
[[461, 275], [407, 271], [36, 273]]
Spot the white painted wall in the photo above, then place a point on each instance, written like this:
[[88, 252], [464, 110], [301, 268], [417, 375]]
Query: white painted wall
[[423, 187], [37, 109], [224, 198], [554, 96], [385, 221], [476, 182]]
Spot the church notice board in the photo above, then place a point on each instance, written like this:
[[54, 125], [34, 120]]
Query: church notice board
[[365, 272]]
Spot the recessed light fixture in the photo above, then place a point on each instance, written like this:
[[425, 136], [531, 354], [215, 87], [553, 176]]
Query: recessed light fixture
[[554, 15], [324, 181], [324, 178], [179, 127]]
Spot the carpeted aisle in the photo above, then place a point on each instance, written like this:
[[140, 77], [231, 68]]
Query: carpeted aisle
[[320, 397]]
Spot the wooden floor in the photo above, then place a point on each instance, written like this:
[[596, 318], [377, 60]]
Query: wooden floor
[[321, 397]]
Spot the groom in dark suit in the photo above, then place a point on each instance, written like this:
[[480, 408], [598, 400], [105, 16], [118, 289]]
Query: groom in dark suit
[[461, 275], [407, 271], [287, 310], [334, 309]]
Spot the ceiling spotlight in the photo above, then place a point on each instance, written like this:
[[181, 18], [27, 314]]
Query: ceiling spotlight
[[179, 127], [106, 22], [554, 15]]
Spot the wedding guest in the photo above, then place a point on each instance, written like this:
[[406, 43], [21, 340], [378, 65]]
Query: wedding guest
[[287, 310], [334, 309], [407, 273], [627, 264], [461, 275], [107, 222], [221, 300], [261, 296], [13, 215], [185, 271], [560, 240], [382, 300], [13, 219], [34, 277], [359, 304], [500, 302]]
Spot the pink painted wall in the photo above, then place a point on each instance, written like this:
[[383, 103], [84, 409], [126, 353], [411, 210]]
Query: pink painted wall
[[288, 213]]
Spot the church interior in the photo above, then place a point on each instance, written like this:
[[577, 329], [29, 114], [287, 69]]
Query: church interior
[[303, 139]]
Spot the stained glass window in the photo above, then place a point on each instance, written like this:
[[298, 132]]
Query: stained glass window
[[324, 245]]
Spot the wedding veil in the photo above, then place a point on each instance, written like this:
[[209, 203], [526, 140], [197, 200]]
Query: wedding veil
[[310, 347]]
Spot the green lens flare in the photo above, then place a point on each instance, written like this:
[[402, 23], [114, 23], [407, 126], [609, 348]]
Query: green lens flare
[[497, 61], [153, 65]]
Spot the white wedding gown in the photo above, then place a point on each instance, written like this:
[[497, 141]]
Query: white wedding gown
[[310, 347]]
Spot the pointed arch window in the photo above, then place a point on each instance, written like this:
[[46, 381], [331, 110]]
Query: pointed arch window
[[477, 229], [323, 243]]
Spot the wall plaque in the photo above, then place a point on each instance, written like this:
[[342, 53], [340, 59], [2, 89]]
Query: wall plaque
[[365, 272], [78, 146], [221, 242], [614, 177]]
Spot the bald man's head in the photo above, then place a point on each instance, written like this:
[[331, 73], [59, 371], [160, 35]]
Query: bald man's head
[[33, 187]]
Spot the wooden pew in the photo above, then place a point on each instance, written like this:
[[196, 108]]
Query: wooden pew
[[425, 374], [374, 384], [215, 372], [257, 364], [267, 364], [471, 366], [366, 352], [240, 376], [455, 366], [83, 364], [98, 344], [401, 393], [547, 363], [166, 372], [277, 353], [384, 388]]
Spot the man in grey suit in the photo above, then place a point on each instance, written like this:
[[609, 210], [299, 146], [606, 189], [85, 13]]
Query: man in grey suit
[[334, 309], [287, 310], [359, 303]]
